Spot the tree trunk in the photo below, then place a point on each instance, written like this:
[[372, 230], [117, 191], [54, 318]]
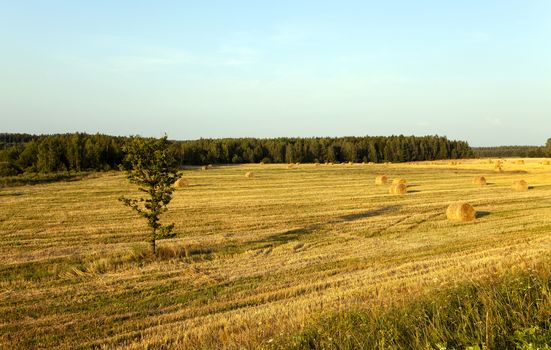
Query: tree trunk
[[152, 243]]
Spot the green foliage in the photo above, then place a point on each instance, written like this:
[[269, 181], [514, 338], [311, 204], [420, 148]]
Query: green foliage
[[319, 149], [149, 165], [533, 338], [61, 153], [8, 169], [510, 312], [511, 151], [39, 178], [8, 140], [81, 152]]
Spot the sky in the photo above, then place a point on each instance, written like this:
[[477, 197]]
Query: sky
[[475, 70]]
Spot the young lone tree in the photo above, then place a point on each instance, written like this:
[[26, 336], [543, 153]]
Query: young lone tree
[[149, 165]]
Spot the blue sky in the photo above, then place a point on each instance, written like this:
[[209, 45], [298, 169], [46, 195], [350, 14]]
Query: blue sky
[[473, 70]]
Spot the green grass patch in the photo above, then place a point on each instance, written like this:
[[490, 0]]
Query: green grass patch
[[39, 178], [509, 312]]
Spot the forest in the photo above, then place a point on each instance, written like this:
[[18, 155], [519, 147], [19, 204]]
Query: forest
[[23, 153], [513, 151]]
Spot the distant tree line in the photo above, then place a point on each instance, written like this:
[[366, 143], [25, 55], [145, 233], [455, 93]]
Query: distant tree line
[[319, 149], [58, 153], [78, 151], [513, 151], [9, 140]]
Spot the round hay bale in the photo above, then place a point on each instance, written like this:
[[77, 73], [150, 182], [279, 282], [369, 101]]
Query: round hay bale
[[546, 162], [249, 174], [399, 181], [316, 164], [290, 166], [498, 168], [262, 163], [461, 212], [205, 167], [520, 186], [520, 161], [479, 180], [350, 163], [381, 180], [181, 183], [398, 189]]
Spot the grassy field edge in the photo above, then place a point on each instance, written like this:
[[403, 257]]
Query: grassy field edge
[[509, 311]]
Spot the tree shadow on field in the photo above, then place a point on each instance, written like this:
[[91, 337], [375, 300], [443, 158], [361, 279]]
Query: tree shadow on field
[[367, 214], [481, 214], [285, 237], [296, 234], [10, 194]]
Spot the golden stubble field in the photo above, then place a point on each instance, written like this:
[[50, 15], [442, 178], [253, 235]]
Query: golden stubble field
[[255, 258]]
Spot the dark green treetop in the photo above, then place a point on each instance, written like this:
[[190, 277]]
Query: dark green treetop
[[149, 164]]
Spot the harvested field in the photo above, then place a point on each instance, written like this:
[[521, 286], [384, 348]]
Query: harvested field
[[253, 260]]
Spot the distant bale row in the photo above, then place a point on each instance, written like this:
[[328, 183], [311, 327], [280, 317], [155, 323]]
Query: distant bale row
[[518, 185], [383, 179], [398, 185]]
